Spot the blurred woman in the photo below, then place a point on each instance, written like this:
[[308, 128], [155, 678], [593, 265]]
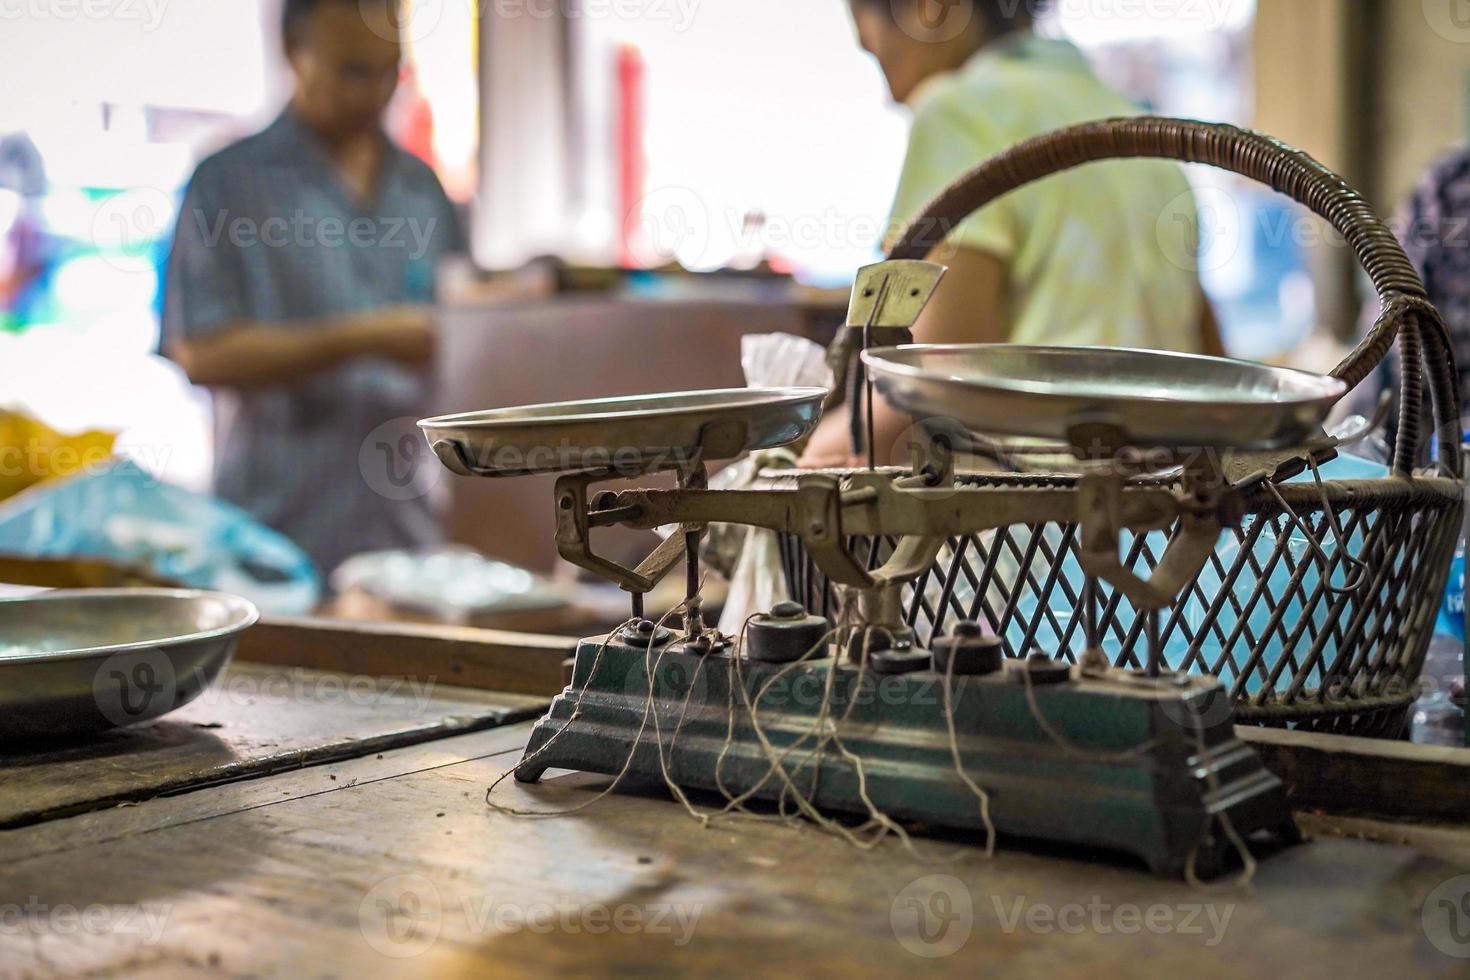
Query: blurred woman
[[1101, 255]]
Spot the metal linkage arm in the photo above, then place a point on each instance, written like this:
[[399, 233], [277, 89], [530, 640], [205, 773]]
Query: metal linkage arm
[[575, 520], [1101, 520], [824, 515]]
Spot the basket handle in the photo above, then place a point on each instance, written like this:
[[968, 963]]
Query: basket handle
[[1407, 315]]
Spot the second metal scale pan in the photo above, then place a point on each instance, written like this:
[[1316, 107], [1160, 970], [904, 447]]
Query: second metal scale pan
[[1160, 400]]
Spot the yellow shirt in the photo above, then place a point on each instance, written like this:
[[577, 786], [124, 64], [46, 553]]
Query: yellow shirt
[[1101, 255]]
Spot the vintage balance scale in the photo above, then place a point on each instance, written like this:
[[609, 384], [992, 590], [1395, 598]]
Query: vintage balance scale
[[1139, 761], [857, 716]]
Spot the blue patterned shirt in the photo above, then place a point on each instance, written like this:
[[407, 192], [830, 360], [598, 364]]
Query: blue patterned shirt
[[269, 233]]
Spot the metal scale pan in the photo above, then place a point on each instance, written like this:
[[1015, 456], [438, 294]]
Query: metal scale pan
[[1160, 400], [74, 662], [625, 435]]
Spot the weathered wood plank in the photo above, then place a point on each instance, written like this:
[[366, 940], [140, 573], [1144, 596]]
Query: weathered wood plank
[[412, 874], [1449, 842], [521, 663], [254, 721], [1359, 775], [98, 826]]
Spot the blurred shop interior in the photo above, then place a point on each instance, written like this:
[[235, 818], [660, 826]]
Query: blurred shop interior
[[640, 193]]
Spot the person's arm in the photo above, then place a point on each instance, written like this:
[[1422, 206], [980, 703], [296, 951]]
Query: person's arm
[[969, 307], [212, 323], [244, 355]]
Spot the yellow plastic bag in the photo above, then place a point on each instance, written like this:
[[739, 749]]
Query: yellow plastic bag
[[32, 452]]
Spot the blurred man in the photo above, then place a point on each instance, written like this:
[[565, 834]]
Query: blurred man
[[300, 289], [1096, 256]]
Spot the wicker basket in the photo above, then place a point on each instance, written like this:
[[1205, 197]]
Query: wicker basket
[[1300, 633]]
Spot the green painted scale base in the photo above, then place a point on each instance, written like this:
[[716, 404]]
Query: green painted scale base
[[1121, 769]]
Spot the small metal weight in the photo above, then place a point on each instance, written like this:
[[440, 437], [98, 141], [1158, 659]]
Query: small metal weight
[[974, 654], [785, 634]]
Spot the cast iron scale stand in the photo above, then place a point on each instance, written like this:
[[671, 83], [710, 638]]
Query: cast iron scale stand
[[1144, 761]]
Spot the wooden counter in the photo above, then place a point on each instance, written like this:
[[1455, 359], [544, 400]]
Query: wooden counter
[[384, 860], [392, 865]]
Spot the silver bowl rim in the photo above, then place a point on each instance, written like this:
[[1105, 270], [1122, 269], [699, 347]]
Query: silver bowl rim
[[498, 417], [246, 616], [1329, 388]]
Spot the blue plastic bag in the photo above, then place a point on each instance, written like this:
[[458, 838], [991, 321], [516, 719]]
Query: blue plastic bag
[[124, 515], [1452, 612]]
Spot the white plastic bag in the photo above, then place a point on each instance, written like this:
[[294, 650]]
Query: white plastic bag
[[783, 360], [773, 360], [758, 583]]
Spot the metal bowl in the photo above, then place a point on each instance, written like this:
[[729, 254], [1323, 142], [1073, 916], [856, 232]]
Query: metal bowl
[[628, 436], [1160, 400], [73, 662]]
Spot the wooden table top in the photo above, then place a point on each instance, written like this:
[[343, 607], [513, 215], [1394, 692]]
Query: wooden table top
[[254, 721], [391, 864]]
